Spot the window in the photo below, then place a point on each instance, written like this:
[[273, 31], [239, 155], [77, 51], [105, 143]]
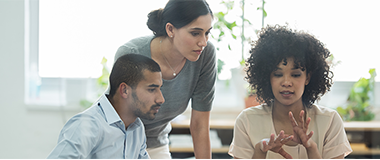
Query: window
[[73, 36], [348, 28]]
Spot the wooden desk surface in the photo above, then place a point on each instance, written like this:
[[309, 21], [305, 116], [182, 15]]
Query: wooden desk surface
[[214, 124], [229, 124], [362, 126], [362, 149], [357, 149]]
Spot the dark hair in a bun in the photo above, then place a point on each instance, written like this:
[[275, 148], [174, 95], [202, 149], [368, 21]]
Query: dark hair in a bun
[[177, 12]]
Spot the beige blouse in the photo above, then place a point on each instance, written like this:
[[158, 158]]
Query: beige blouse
[[255, 123]]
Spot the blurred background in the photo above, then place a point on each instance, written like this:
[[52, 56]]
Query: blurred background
[[55, 56]]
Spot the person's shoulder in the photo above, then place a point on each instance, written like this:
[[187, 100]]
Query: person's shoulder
[[210, 45], [250, 116], [210, 48], [91, 117], [137, 45], [262, 109], [140, 40], [323, 111]]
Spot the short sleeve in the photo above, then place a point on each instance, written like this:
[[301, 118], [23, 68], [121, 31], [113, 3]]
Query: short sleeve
[[336, 142], [203, 94], [241, 146]]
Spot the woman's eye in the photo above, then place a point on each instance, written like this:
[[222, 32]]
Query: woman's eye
[[194, 33], [277, 75], [151, 90], [296, 75]]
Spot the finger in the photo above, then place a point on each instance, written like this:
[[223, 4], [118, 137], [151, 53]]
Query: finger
[[285, 154], [287, 139], [264, 146], [308, 120], [310, 134], [302, 113], [292, 119], [287, 135], [281, 135], [305, 138], [271, 141]]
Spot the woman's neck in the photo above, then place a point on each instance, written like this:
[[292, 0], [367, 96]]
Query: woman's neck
[[169, 59], [281, 112], [164, 49]]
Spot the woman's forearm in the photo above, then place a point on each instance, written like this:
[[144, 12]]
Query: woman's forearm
[[202, 146], [258, 153], [200, 132], [312, 152]]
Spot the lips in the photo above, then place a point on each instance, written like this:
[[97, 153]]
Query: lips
[[198, 51], [155, 108], [286, 93]]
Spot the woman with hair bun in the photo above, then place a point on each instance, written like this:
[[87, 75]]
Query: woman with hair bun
[[188, 64]]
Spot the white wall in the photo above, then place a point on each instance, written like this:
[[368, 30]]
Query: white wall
[[23, 133]]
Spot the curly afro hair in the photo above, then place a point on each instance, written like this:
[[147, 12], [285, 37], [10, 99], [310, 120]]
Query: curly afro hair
[[277, 43]]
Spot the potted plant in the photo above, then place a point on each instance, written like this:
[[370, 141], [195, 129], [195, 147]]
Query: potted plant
[[250, 100], [358, 106]]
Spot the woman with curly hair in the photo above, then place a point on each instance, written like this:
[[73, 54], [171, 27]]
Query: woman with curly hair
[[289, 72]]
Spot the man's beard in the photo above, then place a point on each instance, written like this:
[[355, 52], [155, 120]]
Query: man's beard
[[138, 105]]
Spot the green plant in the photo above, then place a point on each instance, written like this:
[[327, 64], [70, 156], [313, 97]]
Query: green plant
[[358, 107], [103, 79], [331, 61], [226, 28]]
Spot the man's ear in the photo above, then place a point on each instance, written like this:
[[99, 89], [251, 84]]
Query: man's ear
[[124, 90], [169, 29]]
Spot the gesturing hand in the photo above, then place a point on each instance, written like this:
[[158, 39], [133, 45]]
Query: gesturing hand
[[299, 130], [275, 145]]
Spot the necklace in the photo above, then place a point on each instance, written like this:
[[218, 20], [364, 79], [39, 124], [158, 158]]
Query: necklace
[[174, 74]]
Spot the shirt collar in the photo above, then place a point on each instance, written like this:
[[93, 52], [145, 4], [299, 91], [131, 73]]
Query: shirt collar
[[110, 113]]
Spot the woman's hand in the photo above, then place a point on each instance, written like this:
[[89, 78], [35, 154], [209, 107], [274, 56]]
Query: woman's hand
[[299, 130], [301, 136], [275, 144]]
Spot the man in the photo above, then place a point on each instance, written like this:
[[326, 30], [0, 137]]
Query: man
[[111, 128]]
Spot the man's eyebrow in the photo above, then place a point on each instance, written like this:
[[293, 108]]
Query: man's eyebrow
[[153, 85]]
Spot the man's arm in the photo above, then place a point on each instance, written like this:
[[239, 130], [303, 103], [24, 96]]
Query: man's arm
[[200, 132], [76, 140]]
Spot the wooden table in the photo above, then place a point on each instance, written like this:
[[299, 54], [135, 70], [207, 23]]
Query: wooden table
[[218, 123]]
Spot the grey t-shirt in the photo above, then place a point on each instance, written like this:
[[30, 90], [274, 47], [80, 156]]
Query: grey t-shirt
[[195, 81]]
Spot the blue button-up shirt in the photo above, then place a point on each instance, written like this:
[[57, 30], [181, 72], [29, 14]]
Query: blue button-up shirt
[[99, 133]]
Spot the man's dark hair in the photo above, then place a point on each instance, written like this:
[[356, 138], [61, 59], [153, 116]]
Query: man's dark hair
[[129, 69]]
